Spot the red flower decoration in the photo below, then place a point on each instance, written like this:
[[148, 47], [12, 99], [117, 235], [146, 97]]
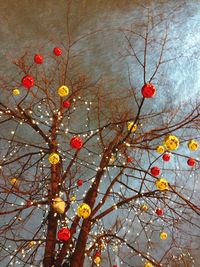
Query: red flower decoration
[[129, 159], [166, 156], [191, 162], [63, 234], [159, 211], [66, 104], [155, 171], [80, 182], [28, 81], [57, 51], [38, 59], [76, 142], [148, 90]]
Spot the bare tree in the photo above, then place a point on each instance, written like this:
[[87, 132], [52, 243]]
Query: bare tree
[[61, 149]]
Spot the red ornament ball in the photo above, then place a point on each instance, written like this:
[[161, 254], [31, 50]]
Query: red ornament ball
[[66, 104], [29, 203], [28, 81], [155, 171], [76, 142], [63, 234], [114, 266], [166, 156], [38, 59], [148, 90], [191, 162], [159, 211], [129, 159], [80, 182], [97, 254], [57, 51]]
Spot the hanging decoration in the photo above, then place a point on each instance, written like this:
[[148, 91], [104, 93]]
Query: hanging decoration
[[64, 234], [112, 159], [66, 104], [38, 59], [84, 210], [191, 162], [57, 51], [76, 142], [193, 145], [171, 142], [14, 181], [160, 149], [54, 158], [166, 157], [28, 81], [131, 127], [144, 207], [16, 92], [63, 90], [129, 159], [148, 264], [155, 171], [97, 258], [148, 90], [59, 205], [163, 235], [162, 184], [159, 211], [73, 198], [80, 182]]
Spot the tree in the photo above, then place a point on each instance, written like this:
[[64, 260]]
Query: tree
[[66, 140]]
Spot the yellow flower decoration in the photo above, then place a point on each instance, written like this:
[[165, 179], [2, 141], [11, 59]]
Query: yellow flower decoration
[[97, 260], [163, 235], [130, 125], [160, 149], [59, 205], [63, 90], [193, 145], [54, 158], [84, 210], [148, 264], [171, 142], [16, 91], [162, 184]]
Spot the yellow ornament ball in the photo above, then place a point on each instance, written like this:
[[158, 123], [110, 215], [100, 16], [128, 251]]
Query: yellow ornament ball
[[54, 158], [163, 235], [193, 145], [63, 90], [84, 210], [171, 142], [16, 91], [14, 181], [59, 205], [148, 264], [162, 184], [97, 260], [144, 207], [131, 127], [32, 243], [160, 149], [73, 198]]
